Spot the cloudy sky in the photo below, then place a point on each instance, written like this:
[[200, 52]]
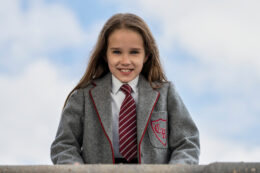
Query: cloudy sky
[[209, 49]]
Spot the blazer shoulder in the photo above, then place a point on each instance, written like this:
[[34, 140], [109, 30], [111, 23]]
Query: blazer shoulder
[[84, 90], [78, 95], [168, 89], [166, 86]]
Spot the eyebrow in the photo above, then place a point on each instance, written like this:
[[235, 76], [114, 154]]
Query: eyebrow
[[116, 48]]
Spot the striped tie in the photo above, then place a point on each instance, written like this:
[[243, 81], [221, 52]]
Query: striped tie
[[127, 125]]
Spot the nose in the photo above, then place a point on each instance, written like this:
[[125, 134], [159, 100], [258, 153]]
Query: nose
[[125, 59]]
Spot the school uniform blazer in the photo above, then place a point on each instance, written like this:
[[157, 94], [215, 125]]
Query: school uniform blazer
[[165, 130]]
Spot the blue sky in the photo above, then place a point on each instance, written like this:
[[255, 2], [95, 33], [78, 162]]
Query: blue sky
[[209, 49]]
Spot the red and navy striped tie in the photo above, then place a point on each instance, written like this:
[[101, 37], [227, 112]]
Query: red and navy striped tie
[[127, 125]]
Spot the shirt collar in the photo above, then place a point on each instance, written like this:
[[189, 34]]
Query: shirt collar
[[116, 84]]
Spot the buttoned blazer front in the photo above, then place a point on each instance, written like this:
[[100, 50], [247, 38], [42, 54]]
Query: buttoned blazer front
[[165, 131]]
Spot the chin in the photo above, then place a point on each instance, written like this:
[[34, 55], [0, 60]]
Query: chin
[[125, 80]]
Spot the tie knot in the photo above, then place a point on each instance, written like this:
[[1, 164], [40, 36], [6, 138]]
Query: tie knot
[[126, 89]]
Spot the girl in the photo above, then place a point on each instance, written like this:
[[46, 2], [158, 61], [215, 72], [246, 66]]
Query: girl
[[123, 110]]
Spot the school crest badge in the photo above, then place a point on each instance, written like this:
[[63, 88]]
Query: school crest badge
[[159, 129]]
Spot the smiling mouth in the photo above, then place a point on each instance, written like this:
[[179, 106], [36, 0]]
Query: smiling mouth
[[126, 70]]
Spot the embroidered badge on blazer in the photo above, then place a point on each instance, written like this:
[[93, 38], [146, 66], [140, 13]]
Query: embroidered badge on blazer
[[159, 129]]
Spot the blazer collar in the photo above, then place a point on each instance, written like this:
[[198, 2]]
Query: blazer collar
[[147, 99], [102, 101]]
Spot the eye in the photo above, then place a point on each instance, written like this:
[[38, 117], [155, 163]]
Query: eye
[[116, 52], [134, 52]]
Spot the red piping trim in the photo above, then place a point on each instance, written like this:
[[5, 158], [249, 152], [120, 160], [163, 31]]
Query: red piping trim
[[139, 147], [111, 146]]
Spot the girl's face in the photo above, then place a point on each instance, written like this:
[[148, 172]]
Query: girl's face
[[125, 54]]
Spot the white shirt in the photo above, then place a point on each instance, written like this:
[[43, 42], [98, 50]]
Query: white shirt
[[117, 98]]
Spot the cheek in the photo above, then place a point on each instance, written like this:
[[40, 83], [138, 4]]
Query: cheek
[[141, 63], [141, 67], [111, 62], [110, 66]]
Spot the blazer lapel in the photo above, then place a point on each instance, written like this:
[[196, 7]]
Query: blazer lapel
[[102, 101], [147, 98]]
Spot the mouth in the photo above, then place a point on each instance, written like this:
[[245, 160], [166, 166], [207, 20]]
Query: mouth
[[125, 71]]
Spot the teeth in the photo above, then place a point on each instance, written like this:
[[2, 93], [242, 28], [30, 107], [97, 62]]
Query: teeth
[[125, 70]]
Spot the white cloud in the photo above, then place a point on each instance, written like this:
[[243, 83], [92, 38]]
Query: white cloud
[[31, 104], [42, 28], [215, 149], [214, 32]]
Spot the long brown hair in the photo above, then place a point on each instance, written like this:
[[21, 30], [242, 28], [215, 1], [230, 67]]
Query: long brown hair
[[97, 65]]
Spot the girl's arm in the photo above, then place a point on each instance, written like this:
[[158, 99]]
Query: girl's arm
[[183, 133], [66, 148]]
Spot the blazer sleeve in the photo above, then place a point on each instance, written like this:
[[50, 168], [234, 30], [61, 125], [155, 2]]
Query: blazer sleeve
[[66, 148], [183, 133]]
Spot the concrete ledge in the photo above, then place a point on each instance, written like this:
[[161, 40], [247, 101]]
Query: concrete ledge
[[101, 168]]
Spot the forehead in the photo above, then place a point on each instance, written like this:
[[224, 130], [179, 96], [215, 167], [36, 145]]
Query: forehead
[[126, 38]]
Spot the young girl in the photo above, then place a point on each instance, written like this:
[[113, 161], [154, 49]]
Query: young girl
[[124, 110]]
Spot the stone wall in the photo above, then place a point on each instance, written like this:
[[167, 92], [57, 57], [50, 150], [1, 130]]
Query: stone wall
[[100, 168]]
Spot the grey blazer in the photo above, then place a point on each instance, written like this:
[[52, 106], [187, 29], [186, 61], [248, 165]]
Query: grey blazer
[[165, 130]]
